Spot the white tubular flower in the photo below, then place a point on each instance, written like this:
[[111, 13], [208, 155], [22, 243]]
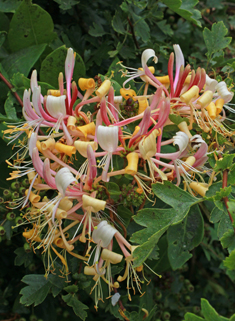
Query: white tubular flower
[[32, 142], [108, 138], [211, 83], [146, 55], [181, 139], [63, 179], [103, 234], [56, 106], [36, 99], [69, 63], [223, 92], [33, 80]]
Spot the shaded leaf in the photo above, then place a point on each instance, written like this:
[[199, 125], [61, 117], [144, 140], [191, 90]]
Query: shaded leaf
[[9, 5], [176, 119], [30, 25], [184, 236], [209, 312], [141, 28], [23, 60], [156, 222], [2, 37], [66, 5], [185, 9], [174, 196], [22, 257], [9, 108], [78, 307], [228, 240], [36, 291], [192, 317], [97, 30], [53, 64], [229, 262], [117, 22]]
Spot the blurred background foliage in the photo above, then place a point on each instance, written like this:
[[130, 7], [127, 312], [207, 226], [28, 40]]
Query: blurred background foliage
[[36, 35]]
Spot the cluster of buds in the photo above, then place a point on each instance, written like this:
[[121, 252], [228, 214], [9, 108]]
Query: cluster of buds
[[56, 130]]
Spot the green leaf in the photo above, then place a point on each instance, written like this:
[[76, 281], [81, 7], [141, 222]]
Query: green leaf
[[36, 27], [225, 225], [2, 37], [53, 64], [66, 5], [71, 288], [156, 222], [22, 257], [9, 5], [215, 39], [78, 307], [216, 215], [113, 190], [229, 262], [36, 291], [117, 22], [231, 176], [224, 163], [209, 312], [185, 236], [165, 28], [231, 208], [141, 28], [176, 119], [9, 108], [23, 60], [228, 240], [97, 30], [185, 9], [174, 196], [192, 317]]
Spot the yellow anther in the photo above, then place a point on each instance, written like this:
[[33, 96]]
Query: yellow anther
[[48, 144], [88, 129], [127, 93], [67, 150], [211, 108], [143, 104], [103, 89], [132, 166], [113, 257], [86, 83], [192, 93], [200, 188], [219, 106], [184, 128], [205, 99]]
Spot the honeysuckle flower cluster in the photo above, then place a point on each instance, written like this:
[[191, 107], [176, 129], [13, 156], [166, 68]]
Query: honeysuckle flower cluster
[[128, 124]]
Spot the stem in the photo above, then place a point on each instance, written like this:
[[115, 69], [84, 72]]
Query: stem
[[133, 33], [9, 85]]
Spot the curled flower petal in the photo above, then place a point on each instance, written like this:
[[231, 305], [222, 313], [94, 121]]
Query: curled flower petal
[[56, 106], [211, 83], [181, 139], [108, 138], [63, 179], [146, 55], [223, 92], [104, 233]]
